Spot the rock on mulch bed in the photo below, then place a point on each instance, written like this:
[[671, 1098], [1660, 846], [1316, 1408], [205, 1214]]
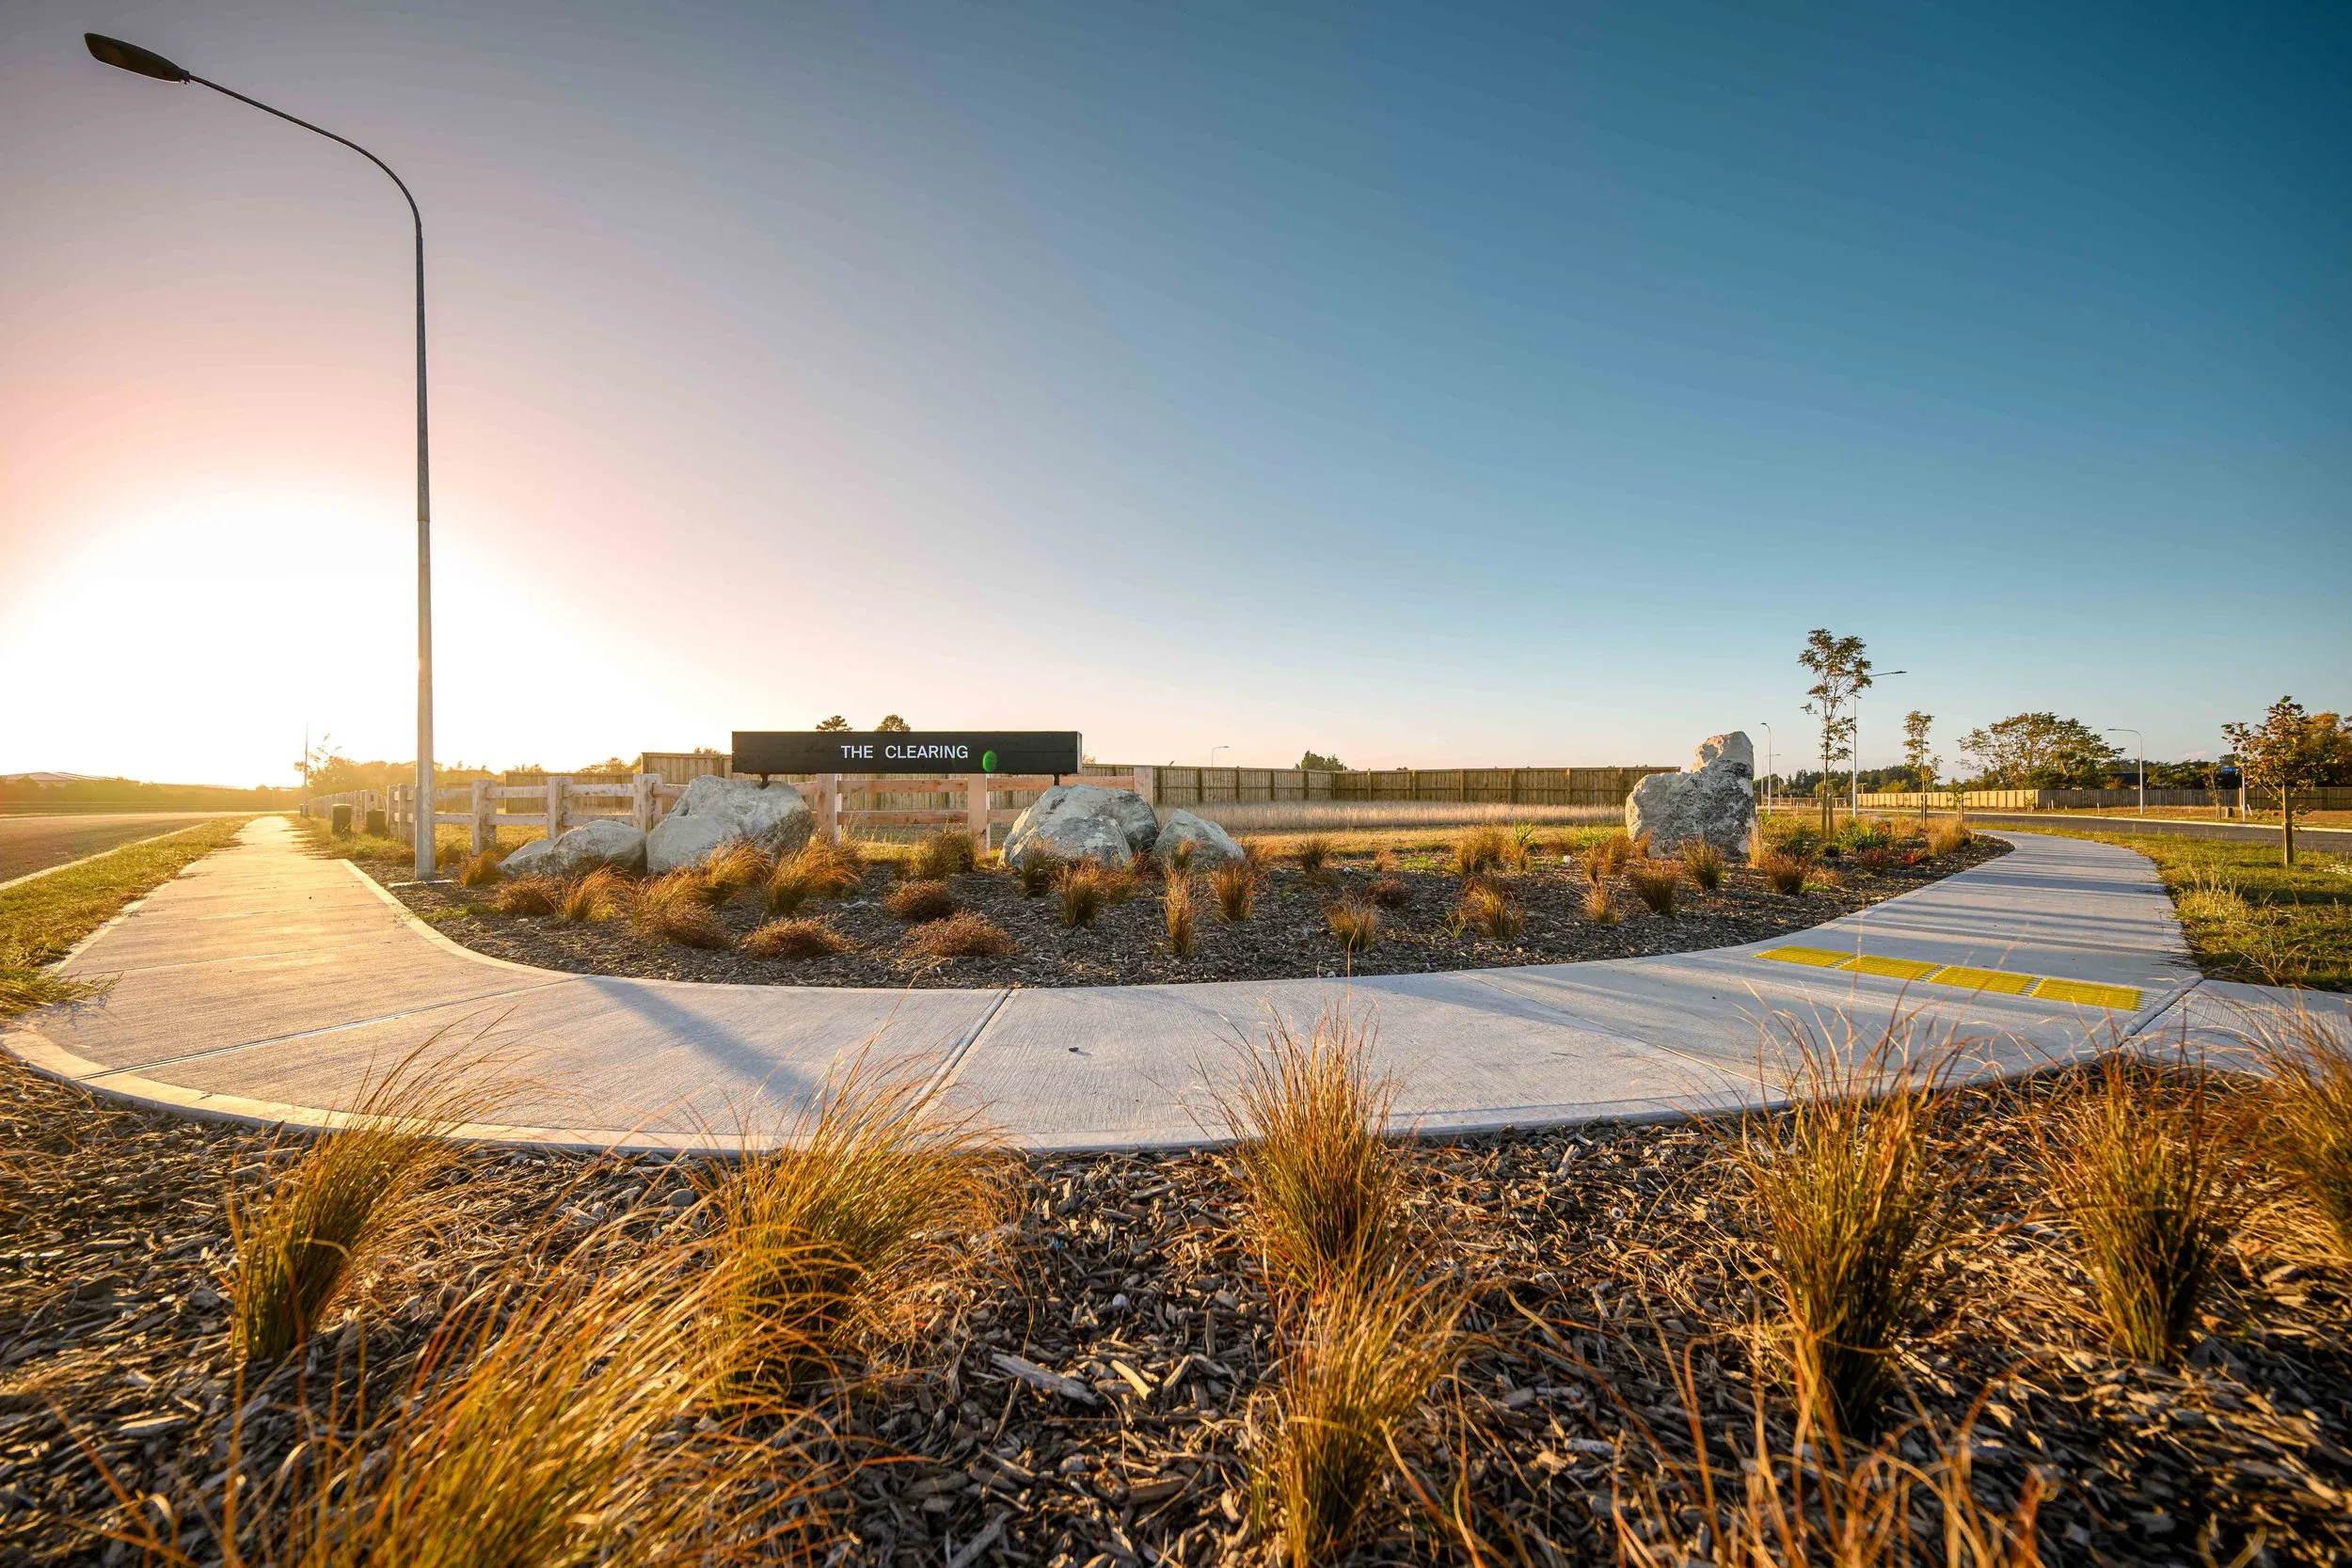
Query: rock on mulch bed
[[1285, 937], [1093, 1406]]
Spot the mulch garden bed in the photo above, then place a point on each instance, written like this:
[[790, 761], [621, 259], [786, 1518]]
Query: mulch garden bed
[[1285, 937], [1607, 1254]]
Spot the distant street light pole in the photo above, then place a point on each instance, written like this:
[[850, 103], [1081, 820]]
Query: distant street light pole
[[142, 62], [1212, 751], [2126, 729], [1767, 768], [1855, 804]]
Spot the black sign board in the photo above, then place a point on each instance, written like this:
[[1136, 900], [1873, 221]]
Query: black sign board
[[907, 751]]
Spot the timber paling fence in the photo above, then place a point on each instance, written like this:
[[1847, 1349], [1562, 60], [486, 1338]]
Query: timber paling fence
[[2089, 800]]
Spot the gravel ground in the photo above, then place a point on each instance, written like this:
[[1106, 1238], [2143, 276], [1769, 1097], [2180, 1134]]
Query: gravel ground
[[1285, 937], [1606, 1254]]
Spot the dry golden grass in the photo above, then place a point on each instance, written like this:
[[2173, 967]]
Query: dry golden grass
[[816, 870], [1854, 1212], [1783, 874], [965, 934], [1600, 907], [1949, 836], [1176, 908], [25, 984], [1180, 856], [480, 870], [1609, 856], [1655, 883], [1236, 887], [915, 902], [1359, 1358], [1389, 893], [1323, 1195], [527, 897], [676, 906], [733, 866], [1085, 889], [1704, 863], [1490, 910], [945, 853], [1355, 925], [1315, 853], [2138, 1166], [351, 1197], [795, 937], [1480, 850], [2307, 1060], [847, 1236], [1039, 868], [603, 894]]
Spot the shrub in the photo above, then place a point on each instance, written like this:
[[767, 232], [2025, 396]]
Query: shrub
[[1235, 885], [965, 934], [1948, 837], [1493, 912], [946, 853], [733, 866], [1824, 879], [1355, 924], [1656, 885], [676, 906], [1783, 874], [1039, 869], [2308, 1062], [480, 870], [526, 897], [1703, 862], [1598, 907], [1176, 908], [1855, 1213], [1480, 850], [1314, 851], [1085, 888], [1871, 861], [2136, 1167], [796, 939], [915, 902], [1389, 893]]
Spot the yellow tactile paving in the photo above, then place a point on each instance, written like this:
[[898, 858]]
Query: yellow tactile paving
[[2122, 998], [1820, 957], [1984, 979], [1894, 968]]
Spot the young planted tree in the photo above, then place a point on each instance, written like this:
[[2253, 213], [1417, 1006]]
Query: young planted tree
[[1840, 672], [2290, 750], [1916, 757]]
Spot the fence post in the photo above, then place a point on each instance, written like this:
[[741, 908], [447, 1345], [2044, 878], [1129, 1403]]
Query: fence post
[[1147, 784], [641, 801], [828, 802], [975, 809], [485, 834], [557, 784]]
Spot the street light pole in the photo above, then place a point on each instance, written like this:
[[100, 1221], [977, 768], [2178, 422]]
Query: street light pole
[[1768, 768], [2126, 729], [143, 62]]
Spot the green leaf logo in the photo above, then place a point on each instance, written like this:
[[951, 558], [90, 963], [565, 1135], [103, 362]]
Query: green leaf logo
[[988, 762]]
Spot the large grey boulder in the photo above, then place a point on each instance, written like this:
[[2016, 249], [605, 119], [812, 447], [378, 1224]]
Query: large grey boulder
[[531, 860], [582, 850], [1076, 821], [714, 810], [1714, 798], [1212, 846]]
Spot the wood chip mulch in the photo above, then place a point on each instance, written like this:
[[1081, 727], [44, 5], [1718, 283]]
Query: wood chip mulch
[[1093, 1405], [1285, 937]]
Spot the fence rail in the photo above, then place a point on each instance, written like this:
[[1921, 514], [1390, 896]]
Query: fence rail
[[1505, 787], [2082, 799]]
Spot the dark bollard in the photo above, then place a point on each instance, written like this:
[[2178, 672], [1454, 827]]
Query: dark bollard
[[341, 819], [377, 826]]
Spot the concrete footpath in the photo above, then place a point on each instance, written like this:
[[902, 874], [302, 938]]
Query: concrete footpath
[[2335, 841], [267, 983]]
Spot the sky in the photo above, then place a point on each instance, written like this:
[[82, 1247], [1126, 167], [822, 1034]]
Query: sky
[[1430, 385]]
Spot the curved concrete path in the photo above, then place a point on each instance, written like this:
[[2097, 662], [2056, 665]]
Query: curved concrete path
[[267, 983]]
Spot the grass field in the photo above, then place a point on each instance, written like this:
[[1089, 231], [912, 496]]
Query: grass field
[[41, 919], [2246, 916]]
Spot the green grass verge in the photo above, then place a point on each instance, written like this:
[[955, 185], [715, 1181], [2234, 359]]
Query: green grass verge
[[2247, 917], [41, 919]]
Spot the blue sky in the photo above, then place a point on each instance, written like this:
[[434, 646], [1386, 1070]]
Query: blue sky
[[1426, 384]]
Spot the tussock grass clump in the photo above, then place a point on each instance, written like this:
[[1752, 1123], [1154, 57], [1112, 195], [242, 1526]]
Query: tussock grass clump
[[2208, 895], [1359, 1362], [915, 902], [1949, 835], [350, 1197], [676, 906], [1384, 862], [796, 938], [1180, 856], [1389, 893], [1854, 1212], [1085, 889], [1355, 924], [816, 870], [733, 866], [1600, 907], [829, 1241], [2139, 1169], [1176, 908], [1609, 857], [1480, 850], [1039, 868], [527, 897], [1236, 887], [25, 984], [946, 853], [1314, 854], [1783, 874], [965, 934], [1257, 852], [2308, 1098], [1704, 863], [480, 870], [1492, 911], [1655, 883], [1121, 884], [1322, 1193], [1521, 853], [599, 894]]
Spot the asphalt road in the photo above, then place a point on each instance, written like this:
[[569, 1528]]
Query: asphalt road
[[30, 843]]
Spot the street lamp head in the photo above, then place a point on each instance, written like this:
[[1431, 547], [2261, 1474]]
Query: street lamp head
[[129, 56]]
